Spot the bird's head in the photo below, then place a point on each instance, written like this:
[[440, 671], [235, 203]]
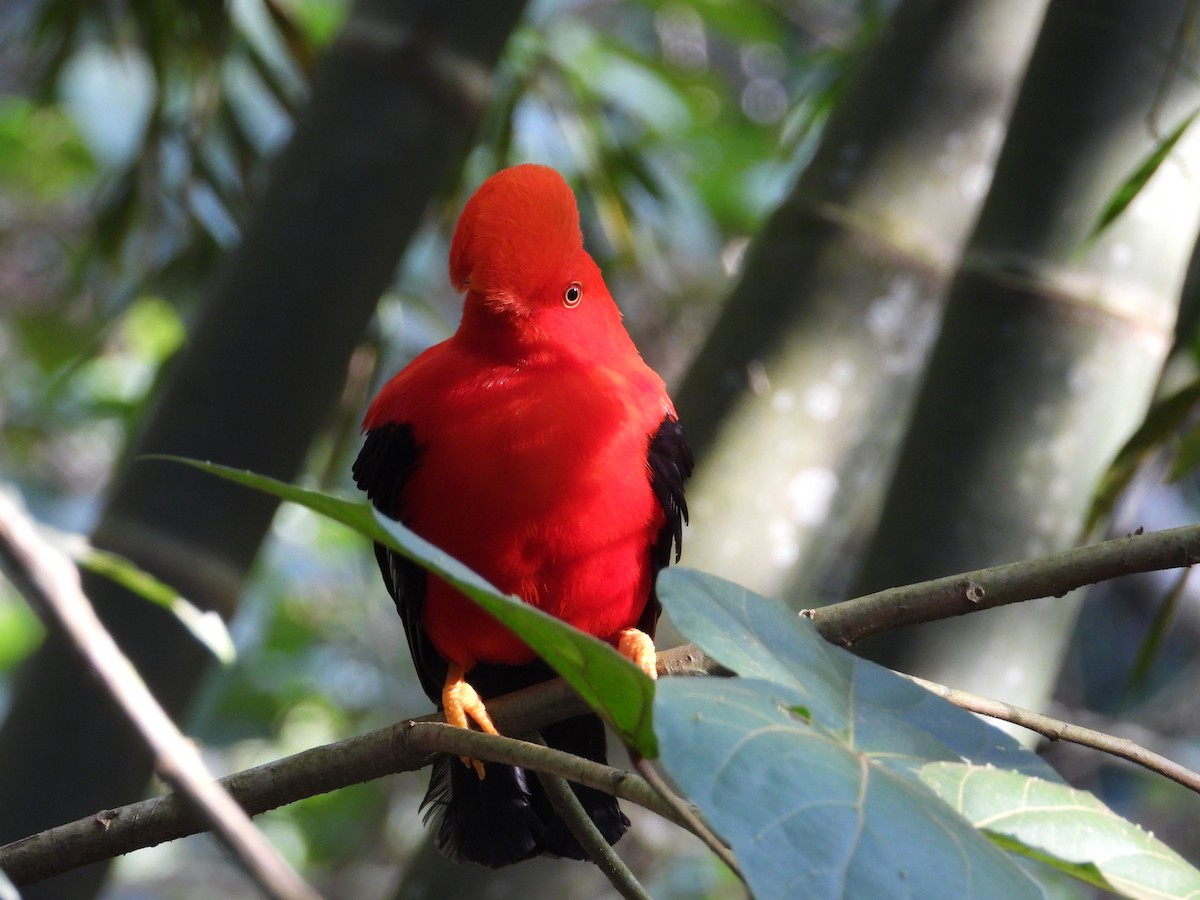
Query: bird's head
[[518, 254]]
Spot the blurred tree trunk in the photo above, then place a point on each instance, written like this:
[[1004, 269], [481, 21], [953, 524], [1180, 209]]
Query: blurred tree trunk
[[1052, 344], [393, 105], [841, 294]]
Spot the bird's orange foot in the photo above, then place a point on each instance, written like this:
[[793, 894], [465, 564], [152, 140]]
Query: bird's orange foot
[[463, 705], [638, 646]]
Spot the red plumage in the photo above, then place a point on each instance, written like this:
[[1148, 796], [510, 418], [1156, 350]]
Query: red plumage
[[536, 447]]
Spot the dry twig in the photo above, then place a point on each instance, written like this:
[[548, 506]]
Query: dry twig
[[50, 583]]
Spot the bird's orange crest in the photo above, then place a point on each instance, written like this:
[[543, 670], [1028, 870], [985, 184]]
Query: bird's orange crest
[[519, 229]]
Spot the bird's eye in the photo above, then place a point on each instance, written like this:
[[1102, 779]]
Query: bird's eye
[[572, 295]]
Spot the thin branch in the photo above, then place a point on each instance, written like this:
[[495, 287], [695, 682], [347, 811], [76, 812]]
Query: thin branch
[[848, 622], [402, 747], [50, 584], [405, 747], [571, 811], [685, 811], [1058, 730], [434, 736]]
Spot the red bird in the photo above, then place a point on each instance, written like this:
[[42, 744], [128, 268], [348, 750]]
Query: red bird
[[535, 446]]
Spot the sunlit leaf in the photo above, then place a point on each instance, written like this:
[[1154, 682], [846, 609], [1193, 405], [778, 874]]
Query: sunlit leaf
[[1065, 828], [299, 25], [305, 23], [20, 630], [205, 625], [1133, 185], [153, 328]]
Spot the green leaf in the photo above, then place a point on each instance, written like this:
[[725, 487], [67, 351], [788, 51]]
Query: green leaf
[[1163, 420], [20, 629], [1156, 634], [205, 625], [612, 685], [1187, 454], [809, 816], [875, 709], [813, 763], [1065, 828], [1134, 184], [41, 153]]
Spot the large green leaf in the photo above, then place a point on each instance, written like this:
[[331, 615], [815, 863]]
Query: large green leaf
[[808, 815], [873, 708], [610, 683], [1067, 828], [820, 770]]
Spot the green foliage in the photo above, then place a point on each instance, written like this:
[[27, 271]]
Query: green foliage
[[1165, 425], [253, 699], [178, 103], [50, 342], [830, 775], [336, 825], [317, 19], [1137, 180], [761, 639], [41, 154], [808, 815], [1169, 431], [653, 114], [75, 383], [206, 627], [1157, 633], [1067, 828], [611, 684], [20, 629]]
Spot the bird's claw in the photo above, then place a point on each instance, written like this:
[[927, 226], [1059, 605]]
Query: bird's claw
[[462, 705], [638, 647]]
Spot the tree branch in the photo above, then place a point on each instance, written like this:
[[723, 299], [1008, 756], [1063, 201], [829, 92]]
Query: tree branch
[[848, 622], [1058, 730], [571, 811], [408, 745], [431, 735], [684, 810], [402, 747], [50, 583]]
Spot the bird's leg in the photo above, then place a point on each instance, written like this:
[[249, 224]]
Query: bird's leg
[[638, 647], [462, 704]]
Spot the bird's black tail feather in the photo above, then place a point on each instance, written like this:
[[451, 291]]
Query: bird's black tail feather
[[506, 817]]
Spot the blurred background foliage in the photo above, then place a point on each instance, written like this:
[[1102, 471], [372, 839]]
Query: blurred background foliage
[[134, 135]]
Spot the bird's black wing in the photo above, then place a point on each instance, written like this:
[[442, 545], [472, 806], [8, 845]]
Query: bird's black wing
[[670, 461], [387, 459]]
